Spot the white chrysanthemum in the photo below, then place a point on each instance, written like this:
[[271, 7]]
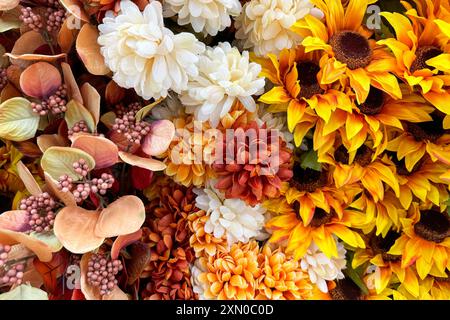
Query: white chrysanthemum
[[207, 16], [264, 25], [224, 76], [321, 268], [145, 55], [231, 217], [197, 286], [169, 109]]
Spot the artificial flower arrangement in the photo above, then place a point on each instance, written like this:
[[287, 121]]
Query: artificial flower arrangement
[[224, 149]]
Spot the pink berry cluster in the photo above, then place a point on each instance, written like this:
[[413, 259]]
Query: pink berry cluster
[[13, 275], [55, 18], [81, 167], [102, 272], [121, 110], [132, 130], [3, 78], [56, 103], [4, 251], [40, 211], [31, 19], [78, 127], [83, 189]]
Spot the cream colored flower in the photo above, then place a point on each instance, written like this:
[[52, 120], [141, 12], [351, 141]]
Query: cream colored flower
[[264, 25], [224, 76], [231, 217], [207, 16], [321, 268], [197, 286], [145, 55]]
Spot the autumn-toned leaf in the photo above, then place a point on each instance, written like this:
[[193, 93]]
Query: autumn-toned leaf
[[41, 249], [8, 4], [141, 178], [157, 141], [49, 238], [28, 179], [89, 50], [123, 216], [146, 163], [73, 92], [45, 141], [122, 241], [104, 151], [9, 92], [58, 161], [13, 72], [26, 44], [66, 197], [76, 9], [74, 227], [9, 20], [18, 122], [67, 35], [142, 113], [52, 270], [28, 149], [113, 93], [140, 257], [40, 80], [24, 292], [91, 100], [76, 112], [15, 220], [36, 57]]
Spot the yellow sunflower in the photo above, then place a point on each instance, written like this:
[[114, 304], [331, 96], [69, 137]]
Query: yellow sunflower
[[430, 288], [388, 268], [421, 49], [425, 242], [351, 58], [383, 216], [419, 139], [359, 165], [296, 76], [346, 289], [288, 230], [426, 181]]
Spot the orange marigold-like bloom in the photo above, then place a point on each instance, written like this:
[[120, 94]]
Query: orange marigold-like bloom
[[254, 166], [202, 241], [168, 236], [282, 278], [232, 275]]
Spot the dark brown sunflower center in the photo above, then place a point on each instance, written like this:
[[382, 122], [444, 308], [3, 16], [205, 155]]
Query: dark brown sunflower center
[[320, 217], [430, 130], [351, 48], [307, 76], [383, 245], [374, 102], [308, 179], [422, 55], [363, 156], [433, 226], [341, 154], [346, 289]]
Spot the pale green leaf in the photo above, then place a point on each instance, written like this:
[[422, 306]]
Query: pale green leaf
[[24, 292], [18, 122]]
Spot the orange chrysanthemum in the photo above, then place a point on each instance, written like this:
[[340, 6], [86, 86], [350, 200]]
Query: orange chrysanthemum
[[254, 165]]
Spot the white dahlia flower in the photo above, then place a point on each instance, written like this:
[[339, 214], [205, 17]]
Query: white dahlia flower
[[206, 16], [145, 55], [264, 25], [197, 286], [231, 217], [224, 76], [321, 268]]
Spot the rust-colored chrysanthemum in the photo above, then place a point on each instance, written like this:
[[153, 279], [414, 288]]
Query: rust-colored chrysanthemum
[[168, 234], [201, 241], [233, 275], [281, 278], [190, 153], [254, 165]]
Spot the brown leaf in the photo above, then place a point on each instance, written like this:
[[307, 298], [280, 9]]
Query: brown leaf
[[114, 94], [89, 50], [140, 258], [104, 151], [26, 44], [40, 80], [123, 241], [28, 149], [73, 91], [28, 179]]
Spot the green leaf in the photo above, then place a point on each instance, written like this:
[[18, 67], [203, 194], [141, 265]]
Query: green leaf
[[58, 161], [145, 110], [76, 112], [49, 239], [309, 160], [18, 122], [355, 274], [24, 292]]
